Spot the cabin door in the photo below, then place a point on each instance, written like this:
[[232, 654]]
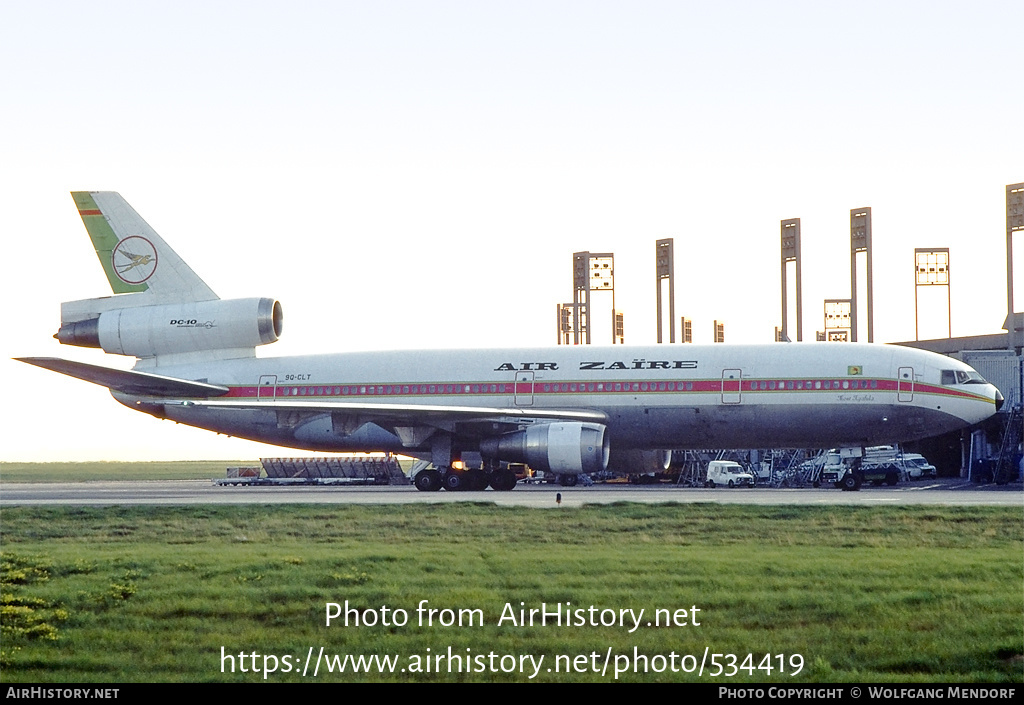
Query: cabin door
[[524, 389], [906, 384], [267, 388], [731, 386]]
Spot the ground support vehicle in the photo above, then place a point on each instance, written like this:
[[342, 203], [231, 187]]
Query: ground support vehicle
[[918, 467], [727, 473], [849, 468]]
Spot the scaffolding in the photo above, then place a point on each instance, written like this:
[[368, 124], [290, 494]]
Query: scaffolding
[[371, 470]]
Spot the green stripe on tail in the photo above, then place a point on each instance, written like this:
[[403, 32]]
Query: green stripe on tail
[[104, 240]]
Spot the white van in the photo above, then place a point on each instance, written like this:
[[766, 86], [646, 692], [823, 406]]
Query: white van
[[728, 473], [917, 466]]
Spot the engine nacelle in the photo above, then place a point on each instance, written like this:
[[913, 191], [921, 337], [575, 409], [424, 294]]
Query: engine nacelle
[[568, 448], [148, 331]]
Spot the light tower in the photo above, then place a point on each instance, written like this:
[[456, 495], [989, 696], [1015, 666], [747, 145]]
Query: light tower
[[931, 268], [860, 241], [1014, 224], [592, 271], [665, 269], [791, 253]]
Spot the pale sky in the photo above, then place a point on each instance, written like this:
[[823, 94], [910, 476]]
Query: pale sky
[[418, 174]]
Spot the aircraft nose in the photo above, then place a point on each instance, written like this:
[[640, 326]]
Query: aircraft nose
[[999, 400]]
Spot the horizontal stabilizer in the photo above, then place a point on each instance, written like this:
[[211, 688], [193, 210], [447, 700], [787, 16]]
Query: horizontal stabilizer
[[128, 381]]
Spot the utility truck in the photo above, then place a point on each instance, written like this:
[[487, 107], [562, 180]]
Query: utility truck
[[849, 468]]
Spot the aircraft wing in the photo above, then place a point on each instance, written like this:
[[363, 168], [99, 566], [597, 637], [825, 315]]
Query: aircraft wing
[[127, 381], [413, 423], [438, 416]]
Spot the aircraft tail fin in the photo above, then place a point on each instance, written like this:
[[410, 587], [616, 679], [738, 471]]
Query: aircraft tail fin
[[133, 256]]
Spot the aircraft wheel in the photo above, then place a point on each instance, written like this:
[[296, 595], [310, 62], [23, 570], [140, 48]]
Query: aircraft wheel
[[428, 481], [568, 480], [503, 480], [455, 480], [476, 480]]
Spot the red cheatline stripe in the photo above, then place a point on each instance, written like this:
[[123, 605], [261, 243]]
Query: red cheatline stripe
[[91, 212], [699, 386], [714, 386]]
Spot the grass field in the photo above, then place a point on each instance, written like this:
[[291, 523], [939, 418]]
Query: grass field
[[847, 594], [95, 471], [128, 470]]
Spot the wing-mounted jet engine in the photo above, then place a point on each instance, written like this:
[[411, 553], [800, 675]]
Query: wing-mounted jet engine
[[564, 448]]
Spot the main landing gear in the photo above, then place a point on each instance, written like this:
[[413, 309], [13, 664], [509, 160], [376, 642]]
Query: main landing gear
[[433, 479]]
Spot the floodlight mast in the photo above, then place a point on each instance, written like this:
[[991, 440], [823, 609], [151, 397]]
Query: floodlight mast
[[931, 268], [791, 253], [1014, 224], [592, 271], [860, 241], [664, 260]]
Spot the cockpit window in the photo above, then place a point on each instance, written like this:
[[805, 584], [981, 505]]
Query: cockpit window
[[971, 377], [961, 377]]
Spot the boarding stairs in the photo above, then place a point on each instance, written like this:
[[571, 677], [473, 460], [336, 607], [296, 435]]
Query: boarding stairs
[[1006, 465]]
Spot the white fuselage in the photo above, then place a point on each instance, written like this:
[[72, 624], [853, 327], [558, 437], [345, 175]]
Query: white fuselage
[[654, 397]]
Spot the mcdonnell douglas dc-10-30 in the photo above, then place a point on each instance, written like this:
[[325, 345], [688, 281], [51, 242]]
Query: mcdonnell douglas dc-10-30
[[567, 410]]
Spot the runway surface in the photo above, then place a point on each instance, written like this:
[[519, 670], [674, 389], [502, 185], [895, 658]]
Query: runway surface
[[183, 492]]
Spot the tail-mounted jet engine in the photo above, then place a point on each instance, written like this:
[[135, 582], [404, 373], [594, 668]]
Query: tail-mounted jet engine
[[568, 448], [150, 331]]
